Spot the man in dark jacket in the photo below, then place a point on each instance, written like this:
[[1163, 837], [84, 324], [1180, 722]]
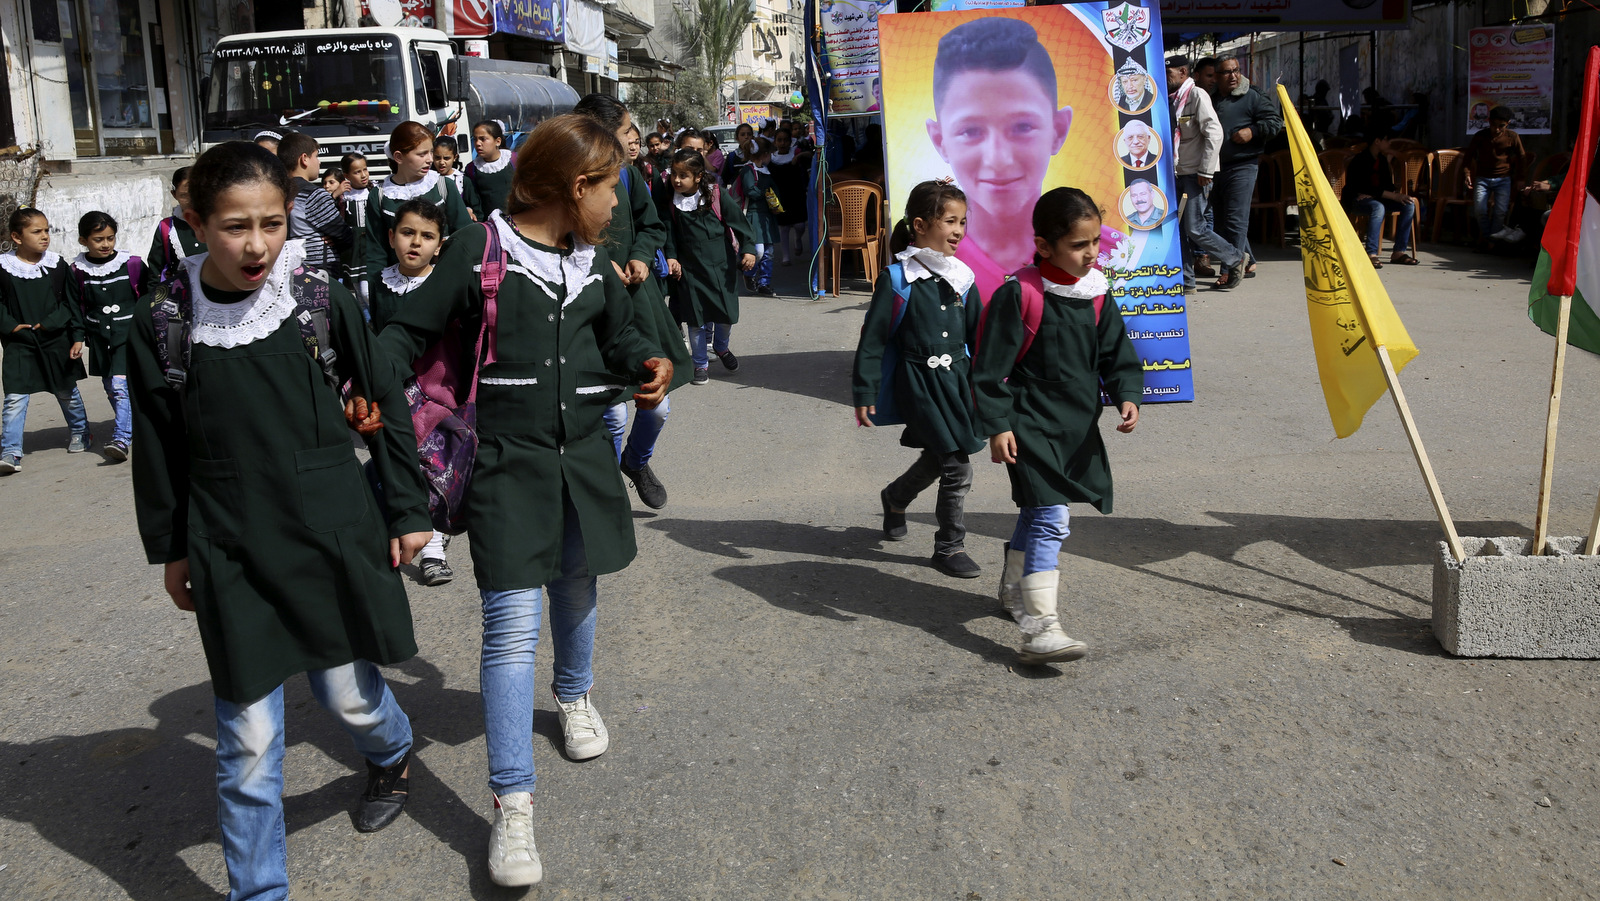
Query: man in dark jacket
[[1249, 119]]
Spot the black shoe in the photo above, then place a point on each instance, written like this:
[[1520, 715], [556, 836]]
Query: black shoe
[[435, 571], [766, 291], [116, 452], [750, 284], [958, 564], [651, 491], [1235, 275], [387, 790], [729, 361], [894, 524]]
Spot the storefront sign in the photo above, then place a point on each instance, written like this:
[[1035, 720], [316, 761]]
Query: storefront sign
[[1287, 15], [466, 18], [413, 13], [538, 19], [1512, 66], [850, 54]]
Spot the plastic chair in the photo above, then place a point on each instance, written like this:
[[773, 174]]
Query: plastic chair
[[1449, 169], [856, 199], [1332, 162]]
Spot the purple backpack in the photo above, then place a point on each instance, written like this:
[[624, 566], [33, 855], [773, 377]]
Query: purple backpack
[[443, 397]]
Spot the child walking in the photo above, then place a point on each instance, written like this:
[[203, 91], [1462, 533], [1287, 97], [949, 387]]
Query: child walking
[[491, 171], [413, 178], [248, 491], [923, 316], [445, 155], [42, 337], [1051, 340], [175, 241], [705, 234], [417, 234], [105, 286], [756, 186]]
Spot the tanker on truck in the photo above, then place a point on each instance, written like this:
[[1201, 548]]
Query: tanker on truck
[[349, 88]]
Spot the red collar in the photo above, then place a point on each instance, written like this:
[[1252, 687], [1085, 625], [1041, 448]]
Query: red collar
[[1059, 276]]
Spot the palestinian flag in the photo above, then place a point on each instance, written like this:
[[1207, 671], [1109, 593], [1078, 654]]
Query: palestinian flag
[[1569, 255]]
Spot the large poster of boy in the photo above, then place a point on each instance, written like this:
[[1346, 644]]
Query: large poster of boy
[[1011, 103]]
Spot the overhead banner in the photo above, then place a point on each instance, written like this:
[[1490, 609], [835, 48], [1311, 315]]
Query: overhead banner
[[1012, 103], [1286, 15], [586, 31], [850, 55], [1512, 66]]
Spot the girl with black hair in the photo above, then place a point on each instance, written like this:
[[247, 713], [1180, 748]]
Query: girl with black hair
[[708, 242], [922, 318], [248, 491], [42, 337], [104, 285], [760, 192], [412, 178], [445, 156], [1051, 340], [491, 170], [174, 240]]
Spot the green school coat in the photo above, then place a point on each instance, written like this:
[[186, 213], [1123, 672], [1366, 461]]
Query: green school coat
[[698, 240], [38, 360], [493, 188], [636, 233], [382, 202], [386, 300], [1052, 399], [754, 185], [935, 401], [251, 475], [541, 434], [164, 258], [105, 296]]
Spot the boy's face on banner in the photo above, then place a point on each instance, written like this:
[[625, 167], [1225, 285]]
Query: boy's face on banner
[[998, 131]]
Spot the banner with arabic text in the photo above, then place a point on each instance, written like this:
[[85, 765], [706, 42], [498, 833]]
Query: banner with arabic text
[[850, 54], [1512, 66]]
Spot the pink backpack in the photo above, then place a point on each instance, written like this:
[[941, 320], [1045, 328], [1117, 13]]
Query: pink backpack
[[1032, 284]]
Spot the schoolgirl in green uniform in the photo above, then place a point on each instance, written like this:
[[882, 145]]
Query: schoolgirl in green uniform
[[490, 171], [445, 156], [704, 261], [174, 240], [104, 285], [930, 325], [412, 178], [248, 491], [546, 506], [42, 336], [353, 203], [755, 186], [1041, 408]]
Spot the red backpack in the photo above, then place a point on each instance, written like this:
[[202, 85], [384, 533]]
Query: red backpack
[[1032, 284]]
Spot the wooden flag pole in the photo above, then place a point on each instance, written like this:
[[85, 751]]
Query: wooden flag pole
[[1594, 526], [1541, 519], [1421, 454]]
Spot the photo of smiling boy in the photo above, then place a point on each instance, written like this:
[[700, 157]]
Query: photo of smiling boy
[[996, 124]]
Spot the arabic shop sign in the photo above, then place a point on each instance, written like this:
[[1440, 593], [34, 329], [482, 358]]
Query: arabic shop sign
[[1286, 15], [537, 19], [300, 47]]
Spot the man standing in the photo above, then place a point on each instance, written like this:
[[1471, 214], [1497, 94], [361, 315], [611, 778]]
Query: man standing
[[1198, 135], [1248, 120], [1493, 172]]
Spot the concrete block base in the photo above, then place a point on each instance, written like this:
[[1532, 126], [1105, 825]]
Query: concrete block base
[[1500, 602]]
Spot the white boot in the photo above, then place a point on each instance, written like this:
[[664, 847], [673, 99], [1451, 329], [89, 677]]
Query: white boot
[[1011, 583], [1043, 640]]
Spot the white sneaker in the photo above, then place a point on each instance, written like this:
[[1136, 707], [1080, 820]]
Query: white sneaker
[[1513, 235], [1501, 234], [513, 859], [583, 729]]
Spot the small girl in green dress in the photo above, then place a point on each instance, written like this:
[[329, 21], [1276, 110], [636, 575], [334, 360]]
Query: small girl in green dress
[[105, 286], [923, 316], [702, 256], [756, 185]]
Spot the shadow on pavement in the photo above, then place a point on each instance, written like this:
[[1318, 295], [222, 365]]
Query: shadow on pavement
[[128, 802], [822, 374]]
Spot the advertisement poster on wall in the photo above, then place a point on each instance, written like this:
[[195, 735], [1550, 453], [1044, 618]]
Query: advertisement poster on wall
[[1512, 66], [1011, 103], [850, 54]]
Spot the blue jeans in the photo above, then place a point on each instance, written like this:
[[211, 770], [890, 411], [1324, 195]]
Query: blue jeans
[[15, 416], [510, 636], [250, 768], [1489, 221], [117, 393], [1230, 193], [640, 444], [715, 334], [1375, 209], [763, 271], [1039, 533], [1197, 235]]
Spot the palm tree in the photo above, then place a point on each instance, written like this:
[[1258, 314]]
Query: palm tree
[[712, 31]]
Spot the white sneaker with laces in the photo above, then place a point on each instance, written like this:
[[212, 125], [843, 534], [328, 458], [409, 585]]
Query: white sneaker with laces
[[1501, 234], [1513, 235], [513, 858], [581, 726]]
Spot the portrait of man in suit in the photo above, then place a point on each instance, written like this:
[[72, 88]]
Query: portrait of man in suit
[[1138, 147]]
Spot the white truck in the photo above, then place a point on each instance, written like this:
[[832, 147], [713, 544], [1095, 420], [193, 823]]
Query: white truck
[[349, 88]]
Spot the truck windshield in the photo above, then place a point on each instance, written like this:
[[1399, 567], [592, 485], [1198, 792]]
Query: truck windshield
[[259, 84]]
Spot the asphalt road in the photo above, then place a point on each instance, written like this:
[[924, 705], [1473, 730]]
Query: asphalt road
[[799, 710]]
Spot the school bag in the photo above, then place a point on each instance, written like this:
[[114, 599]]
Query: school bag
[[887, 410], [716, 210], [1032, 285], [443, 398], [174, 246], [659, 264]]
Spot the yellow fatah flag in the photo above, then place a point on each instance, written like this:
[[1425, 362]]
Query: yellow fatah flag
[[1350, 311]]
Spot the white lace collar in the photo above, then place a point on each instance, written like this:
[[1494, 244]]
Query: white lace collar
[[782, 158], [402, 284], [569, 270], [488, 167], [229, 325], [10, 262], [761, 169], [922, 262], [688, 203], [1092, 285], [101, 270], [421, 186], [356, 195]]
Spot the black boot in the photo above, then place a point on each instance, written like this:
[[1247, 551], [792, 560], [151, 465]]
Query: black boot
[[387, 790]]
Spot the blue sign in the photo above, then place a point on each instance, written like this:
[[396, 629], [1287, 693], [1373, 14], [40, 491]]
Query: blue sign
[[538, 19]]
